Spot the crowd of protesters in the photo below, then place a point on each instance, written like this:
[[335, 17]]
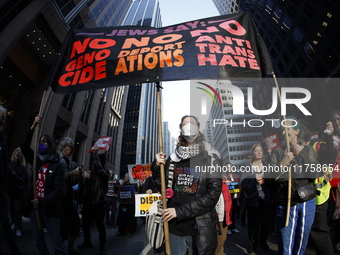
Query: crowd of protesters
[[60, 197], [314, 206], [201, 211]]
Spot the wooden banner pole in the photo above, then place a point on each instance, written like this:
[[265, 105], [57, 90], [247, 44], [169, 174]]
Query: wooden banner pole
[[163, 183], [36, 141], [288, 150]]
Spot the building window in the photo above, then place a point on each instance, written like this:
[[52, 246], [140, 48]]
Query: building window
[[65, 6], [10, 10], [112, 131], [85, 113], [297, 35], [68, 101]]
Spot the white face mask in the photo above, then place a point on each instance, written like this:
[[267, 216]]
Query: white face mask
[[190, 132]]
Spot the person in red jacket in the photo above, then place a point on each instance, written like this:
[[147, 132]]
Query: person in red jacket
[[49, 187], [223, 208], [233, 181]]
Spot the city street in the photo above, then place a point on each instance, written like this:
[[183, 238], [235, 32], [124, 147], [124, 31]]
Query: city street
[[236, 244], [116, 245]]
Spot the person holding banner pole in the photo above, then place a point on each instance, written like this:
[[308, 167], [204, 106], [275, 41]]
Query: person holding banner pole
[[194, 192], [293, 238], [49, 186]]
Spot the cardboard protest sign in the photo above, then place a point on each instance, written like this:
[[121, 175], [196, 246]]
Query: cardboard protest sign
[[103, 143], [139, 173], [126, 194], [271, 142], [143, 203]]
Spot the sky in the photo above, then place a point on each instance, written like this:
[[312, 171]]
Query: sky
[[176, 94]]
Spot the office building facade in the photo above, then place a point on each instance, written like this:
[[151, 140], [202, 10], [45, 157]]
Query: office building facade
[[31, 35], [233, 137], [302, 40]]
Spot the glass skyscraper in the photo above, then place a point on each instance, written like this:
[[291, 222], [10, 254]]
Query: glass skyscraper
[[140, 137]]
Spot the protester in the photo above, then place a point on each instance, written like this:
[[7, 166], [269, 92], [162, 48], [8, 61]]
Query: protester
[[49, 186], [191, 209], [93, 199], [111, 201], [17, 182], [258, 199], [334, 202], [69, 221], [233, 182], [293, 238], [149, 186], [126, 214], [4, 212], [320, 234], [223, 209]]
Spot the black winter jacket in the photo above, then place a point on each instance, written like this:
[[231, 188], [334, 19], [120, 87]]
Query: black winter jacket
[[201, 209], [93, 191], [300, 178], [17, 179], [54, 182], [250, 188]]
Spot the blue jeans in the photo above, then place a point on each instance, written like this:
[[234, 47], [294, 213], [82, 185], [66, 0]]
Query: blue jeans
[[293, 239], [52, 225], [179, 244]]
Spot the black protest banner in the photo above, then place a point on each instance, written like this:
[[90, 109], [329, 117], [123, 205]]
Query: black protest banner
[[227, 46]]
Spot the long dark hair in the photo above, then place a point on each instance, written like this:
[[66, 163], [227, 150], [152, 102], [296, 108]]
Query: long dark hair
[[199, 139], [52, 147]]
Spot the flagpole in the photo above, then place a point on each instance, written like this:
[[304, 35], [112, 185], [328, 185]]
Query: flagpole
[[163, 185], [36, 138], [288, 150]]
